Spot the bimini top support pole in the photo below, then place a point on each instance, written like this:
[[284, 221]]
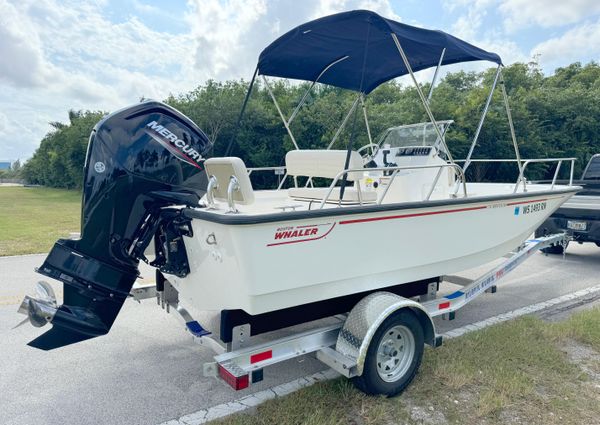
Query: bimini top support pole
[[285, 123], [239, 120], [343, 124], [422, 96], [481, 120], [510, 124], [312, 84], [288, 122], [435, 75], [364, 108]]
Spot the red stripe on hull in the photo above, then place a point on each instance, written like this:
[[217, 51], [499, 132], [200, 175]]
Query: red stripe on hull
[[393, 217]]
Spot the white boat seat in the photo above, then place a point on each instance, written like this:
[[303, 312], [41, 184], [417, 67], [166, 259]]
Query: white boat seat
[[326, 164], [318, 193], [225, 167], [322, 163]]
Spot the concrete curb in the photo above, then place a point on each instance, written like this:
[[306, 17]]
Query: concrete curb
[[533, 308], [252, 400]]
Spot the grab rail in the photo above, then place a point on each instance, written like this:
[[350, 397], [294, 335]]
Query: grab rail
[[393, 176], [279, 168], [526, 162], [558, 160]]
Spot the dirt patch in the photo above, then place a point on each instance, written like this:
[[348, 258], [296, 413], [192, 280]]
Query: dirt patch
[[586, 358], [426, 415]]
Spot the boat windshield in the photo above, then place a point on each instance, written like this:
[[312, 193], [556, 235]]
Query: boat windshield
[[593, 170], [421, 134]]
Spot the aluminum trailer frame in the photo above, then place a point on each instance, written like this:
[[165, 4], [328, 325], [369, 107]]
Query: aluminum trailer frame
[[343, 345]]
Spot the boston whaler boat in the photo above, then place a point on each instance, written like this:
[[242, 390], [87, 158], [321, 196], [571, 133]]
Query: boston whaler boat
[[395, 216]]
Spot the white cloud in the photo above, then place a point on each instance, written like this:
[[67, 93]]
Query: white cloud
[[469, 26], [3, 123], [523, 13], [70, 55], [23, 63], [575, 44], [146, 8]]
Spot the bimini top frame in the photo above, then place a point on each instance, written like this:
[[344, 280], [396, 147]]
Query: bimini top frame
[[360, 50]]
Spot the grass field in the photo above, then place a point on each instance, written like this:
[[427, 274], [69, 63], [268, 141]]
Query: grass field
[[32, 219], [522, 372]]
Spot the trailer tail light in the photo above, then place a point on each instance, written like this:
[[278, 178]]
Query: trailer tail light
[[444, 305], [259, 357], [236, 382]]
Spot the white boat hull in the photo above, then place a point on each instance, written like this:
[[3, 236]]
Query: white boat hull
[[270, 266]]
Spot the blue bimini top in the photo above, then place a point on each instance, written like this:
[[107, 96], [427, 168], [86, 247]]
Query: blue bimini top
[[361, 51]]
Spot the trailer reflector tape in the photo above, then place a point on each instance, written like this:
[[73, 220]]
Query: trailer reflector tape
[[444, 305], [454, 295], [236, 382], [259, 357], [196, 329]]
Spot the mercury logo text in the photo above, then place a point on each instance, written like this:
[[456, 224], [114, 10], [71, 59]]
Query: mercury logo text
[[178, 143]]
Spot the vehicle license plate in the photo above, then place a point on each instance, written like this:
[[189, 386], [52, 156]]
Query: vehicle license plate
[[576, 225]]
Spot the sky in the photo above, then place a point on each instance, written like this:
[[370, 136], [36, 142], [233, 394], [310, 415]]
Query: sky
[[57, 55]]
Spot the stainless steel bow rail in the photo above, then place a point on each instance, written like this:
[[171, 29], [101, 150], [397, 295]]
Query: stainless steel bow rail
[[521, 179], [343, 344]]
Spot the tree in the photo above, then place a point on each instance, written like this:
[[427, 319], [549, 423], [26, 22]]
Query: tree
[[553, 116]]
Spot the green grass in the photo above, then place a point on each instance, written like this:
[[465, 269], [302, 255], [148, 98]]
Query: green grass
[[32, 219], [510, 373]]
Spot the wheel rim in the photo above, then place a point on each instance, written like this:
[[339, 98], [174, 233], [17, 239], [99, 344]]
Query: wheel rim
[[395, 353]]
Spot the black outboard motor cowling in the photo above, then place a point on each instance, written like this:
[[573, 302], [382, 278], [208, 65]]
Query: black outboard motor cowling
[[140, 160]]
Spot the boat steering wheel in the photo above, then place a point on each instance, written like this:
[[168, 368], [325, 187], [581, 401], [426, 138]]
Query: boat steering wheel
[[366, 156]]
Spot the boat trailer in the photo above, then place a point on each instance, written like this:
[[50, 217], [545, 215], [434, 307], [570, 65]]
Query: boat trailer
[[376, 337]]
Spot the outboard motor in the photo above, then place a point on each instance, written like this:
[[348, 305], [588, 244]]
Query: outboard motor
[[140, 161]]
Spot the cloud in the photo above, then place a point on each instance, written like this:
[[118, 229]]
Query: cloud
[[469, 26], [229, 35], [146, 8], [23, 63], [3, 123], [579, 42], [62, 55], [72, 55], [523, 13]]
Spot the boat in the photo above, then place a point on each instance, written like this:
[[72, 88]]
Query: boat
[[395, 214]]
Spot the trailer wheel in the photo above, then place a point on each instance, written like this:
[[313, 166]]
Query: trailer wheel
[[394, 355]]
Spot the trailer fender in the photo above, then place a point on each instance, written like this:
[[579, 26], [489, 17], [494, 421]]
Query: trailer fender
[[366, 316]]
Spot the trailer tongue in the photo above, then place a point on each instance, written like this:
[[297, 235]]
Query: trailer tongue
[[140, 161]]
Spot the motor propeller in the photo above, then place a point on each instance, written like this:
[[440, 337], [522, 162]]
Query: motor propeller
[[41, 308]]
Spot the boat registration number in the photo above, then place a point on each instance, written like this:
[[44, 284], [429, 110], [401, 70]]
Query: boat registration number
[[532, 208], [576, 225]]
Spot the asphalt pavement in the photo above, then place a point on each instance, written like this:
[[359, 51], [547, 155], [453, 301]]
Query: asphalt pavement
[[148, 369]]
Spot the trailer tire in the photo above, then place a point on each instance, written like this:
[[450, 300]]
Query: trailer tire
[[394, 355]]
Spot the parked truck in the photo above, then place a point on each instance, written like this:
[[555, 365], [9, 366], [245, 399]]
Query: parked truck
[[580, 216]]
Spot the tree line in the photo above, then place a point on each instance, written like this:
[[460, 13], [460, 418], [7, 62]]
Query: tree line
[[554, 116]]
